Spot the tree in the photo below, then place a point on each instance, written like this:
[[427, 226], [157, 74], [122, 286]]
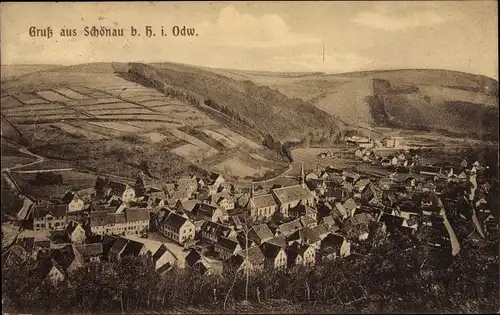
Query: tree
[[139, 187]]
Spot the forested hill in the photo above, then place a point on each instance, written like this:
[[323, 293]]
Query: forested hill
[[266, 110]]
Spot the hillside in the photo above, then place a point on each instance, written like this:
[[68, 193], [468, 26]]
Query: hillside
[[96, 118], [448, 102], [9, 72], [265, 109]]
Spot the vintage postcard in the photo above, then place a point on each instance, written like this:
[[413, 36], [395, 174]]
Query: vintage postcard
[[249, 157]]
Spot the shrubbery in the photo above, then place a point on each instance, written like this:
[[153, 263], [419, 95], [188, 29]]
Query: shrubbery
[[386, 279]]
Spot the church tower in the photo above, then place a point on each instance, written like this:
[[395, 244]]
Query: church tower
[[302, 176]]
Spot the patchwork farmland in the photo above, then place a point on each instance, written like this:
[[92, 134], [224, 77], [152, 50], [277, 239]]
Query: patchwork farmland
[[79, 108]]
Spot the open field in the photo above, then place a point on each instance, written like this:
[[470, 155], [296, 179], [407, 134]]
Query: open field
[[237, 167], [154, 136], [78, 132], [196, 142], [193, 153], [220, 138], [236, 137]]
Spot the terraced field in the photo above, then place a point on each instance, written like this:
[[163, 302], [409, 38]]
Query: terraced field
[[53, 108]]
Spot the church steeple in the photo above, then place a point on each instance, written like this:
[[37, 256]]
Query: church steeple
[[302, 175]]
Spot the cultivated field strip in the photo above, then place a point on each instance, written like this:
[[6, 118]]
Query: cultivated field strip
[[53, 96], [90, 126], [71, 94], [226, 142], [94, 107], [10, 102], [195, 141], [159, 102], [143, 118], [151, 125], [124, 111], [139, 99], [142, 93], [80, 132], [236, 137], [33, 108], [29, 98], [105, 100], [117, 126], [83, 90], [40, 119], [42, 113]]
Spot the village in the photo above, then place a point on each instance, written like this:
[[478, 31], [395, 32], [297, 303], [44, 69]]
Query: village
[[210, 224]]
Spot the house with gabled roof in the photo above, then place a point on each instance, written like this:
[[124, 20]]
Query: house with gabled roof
[[357, 227], [262, 206], [254, 260], [300, 255], [175, 226], [275, 257], [49, 217], [260, 233], [73, 200], [290, 196], [75, 233], [132, 221], [116, 250], [65, 257], [304, 210], [289, 228], [124, 192], [226, 247], [308, 221], [210, 212], [334, 246], [89, 252], [210, 232], [350, 205], [221, 199], [49, 270]]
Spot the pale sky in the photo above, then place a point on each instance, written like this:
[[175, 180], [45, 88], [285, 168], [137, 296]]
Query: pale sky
[[277, 36]]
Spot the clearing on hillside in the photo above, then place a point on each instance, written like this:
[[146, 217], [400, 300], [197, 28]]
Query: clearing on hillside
[[221, 138], [193, 153], [237, 167]]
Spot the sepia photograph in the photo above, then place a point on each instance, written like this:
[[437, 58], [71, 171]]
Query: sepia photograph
[[250, 157]]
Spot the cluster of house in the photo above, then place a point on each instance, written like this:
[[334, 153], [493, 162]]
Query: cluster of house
[[321, 218], [367, 143], [401, 160]]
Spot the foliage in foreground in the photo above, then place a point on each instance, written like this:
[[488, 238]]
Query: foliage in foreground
[[388, 279]]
